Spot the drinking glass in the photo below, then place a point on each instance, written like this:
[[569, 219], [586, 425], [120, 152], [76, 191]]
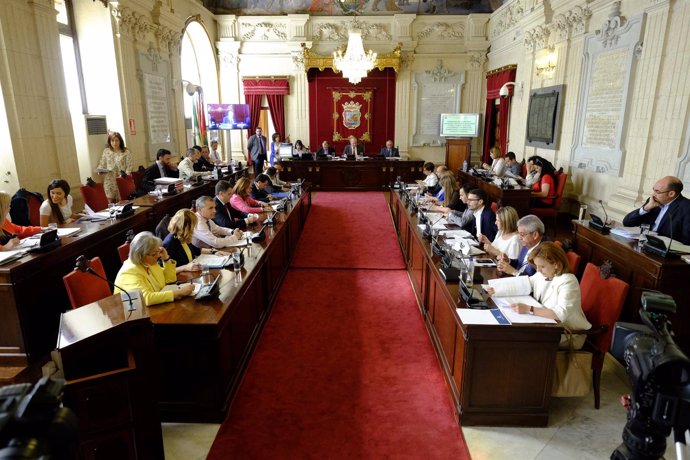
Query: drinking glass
[[237, 267], [205, 274], [52, 226], [583, 212], [111, 211], [644, 229]]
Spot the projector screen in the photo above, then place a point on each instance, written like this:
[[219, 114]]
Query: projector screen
[[460, 124], [228, 116]]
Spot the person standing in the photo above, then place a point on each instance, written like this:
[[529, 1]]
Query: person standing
[[215, 154], [275, 148], [257, 151], [114, 160]]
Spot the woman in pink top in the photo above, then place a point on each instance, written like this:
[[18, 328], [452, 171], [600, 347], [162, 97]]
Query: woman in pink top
[[241, 200]]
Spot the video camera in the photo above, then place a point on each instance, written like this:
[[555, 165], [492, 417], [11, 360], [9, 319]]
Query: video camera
[[34, 425], [659, 375]]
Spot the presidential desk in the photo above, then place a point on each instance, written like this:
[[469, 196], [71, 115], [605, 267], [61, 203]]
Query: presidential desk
[[368, 174], [518, 197], [641, 271], [497, 375]]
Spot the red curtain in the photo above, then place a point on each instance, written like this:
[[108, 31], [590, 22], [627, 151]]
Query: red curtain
[[276, 104], [494, 82], [254, 101]]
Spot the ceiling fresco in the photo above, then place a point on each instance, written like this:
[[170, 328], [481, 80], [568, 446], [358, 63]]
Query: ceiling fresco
[[350, 7]]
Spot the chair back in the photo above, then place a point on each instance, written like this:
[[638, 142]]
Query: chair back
[[138, 177], [94, 196], [562, 178], [602, 302], [84, 288], [123, 252], [524, 168], [162, 227], [125, 186], [34, 209], [573, 261], [494, 207]]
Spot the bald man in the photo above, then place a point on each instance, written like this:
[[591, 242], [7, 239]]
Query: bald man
[[666, 211]]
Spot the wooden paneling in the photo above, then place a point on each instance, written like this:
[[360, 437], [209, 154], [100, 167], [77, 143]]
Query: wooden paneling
[[352, 175], [518, 197]]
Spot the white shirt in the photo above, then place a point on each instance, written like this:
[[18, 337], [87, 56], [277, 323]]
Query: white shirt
[[66, 209], [498, 166], [209, 234], [186, 168], [661, 215], [478, 220], [215, 156], [510, 247], [431, 180]]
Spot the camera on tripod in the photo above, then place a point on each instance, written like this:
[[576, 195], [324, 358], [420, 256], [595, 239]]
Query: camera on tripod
[[659, 374], [34, 425]]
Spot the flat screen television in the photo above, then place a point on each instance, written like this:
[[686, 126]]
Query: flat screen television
[[544, 117], [460, 124], [228, 116]]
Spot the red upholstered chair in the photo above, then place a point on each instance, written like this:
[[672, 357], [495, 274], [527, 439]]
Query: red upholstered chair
[[34, 205], [557, 196], [126, 186], [573, 261], [84, 288], [602, 302], [138, 177], [524, 168], [123, 252], [94, 196], [494, 207]]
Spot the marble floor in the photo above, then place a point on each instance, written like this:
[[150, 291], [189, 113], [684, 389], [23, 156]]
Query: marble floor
[[576, 430]]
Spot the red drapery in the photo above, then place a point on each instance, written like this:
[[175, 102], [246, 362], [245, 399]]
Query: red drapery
[[494, 82], [275, 91]]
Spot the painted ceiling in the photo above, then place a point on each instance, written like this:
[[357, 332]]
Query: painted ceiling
[[350, 7]]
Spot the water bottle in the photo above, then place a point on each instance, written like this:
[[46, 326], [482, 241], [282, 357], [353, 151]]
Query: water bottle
[[470, 272], [464, 166]]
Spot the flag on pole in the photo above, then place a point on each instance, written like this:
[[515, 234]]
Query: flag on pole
[[199, 119]]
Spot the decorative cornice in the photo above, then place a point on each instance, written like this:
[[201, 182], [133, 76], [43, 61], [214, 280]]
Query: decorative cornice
[[298, 61], [508, 18], [439, 73], [406, 60], [329, 32], [537, 38], [339, 33], [443, 31], [478, 59], [265, 30], [610, 31], [138, 26], [578, 17]]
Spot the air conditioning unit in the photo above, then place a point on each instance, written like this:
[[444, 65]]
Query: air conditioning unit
[[96, 140]]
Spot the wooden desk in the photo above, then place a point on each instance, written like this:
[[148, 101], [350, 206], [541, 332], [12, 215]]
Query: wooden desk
[[518, 197], [32, 294], [497, 375], [641, 271], [352, 175], [204, 347]]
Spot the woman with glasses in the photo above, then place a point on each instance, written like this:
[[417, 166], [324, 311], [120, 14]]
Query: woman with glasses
[[149, 268]]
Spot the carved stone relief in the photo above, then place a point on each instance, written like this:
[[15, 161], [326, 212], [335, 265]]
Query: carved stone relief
[[537, 38], [478, 59], [264, 31], [443, 31], [507, 18]]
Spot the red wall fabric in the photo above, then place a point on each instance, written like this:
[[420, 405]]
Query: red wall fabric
[[494, 82], [321, 87], [266, 86], [276, 106]]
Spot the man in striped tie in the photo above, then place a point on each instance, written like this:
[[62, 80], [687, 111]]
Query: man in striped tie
[[257, 151]]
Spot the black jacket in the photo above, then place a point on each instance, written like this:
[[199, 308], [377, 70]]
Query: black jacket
[[488, 224], [152, 173], [176, 252], [259, 195], [202, 164], [229, 217], [675, 223]]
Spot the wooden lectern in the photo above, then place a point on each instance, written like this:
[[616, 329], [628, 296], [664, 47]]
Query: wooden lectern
[[110, 366]]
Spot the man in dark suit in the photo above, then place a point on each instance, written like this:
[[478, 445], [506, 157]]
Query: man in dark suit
[[389, 151], [257, 151], [353, 148], [226, 215], [260, 189], [204, 163], [531, 233], [326, 149], [163, 167], [666, 211], [484, 217]]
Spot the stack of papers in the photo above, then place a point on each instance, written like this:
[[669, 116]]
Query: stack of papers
[[488, 317], [626, 232], [515, 289], [10, 255], [213, 261]]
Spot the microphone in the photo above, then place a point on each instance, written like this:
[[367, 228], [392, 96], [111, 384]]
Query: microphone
[[428, 231], [606, 216], [656, 245], [596, 223], [84, 265]]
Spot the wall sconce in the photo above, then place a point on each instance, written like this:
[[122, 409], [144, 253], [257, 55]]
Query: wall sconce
[[545, 65]]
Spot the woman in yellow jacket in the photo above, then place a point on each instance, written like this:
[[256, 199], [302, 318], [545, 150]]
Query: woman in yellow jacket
[[142, 271]]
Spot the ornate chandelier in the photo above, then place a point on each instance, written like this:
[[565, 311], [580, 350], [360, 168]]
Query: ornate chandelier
[[355, 63]]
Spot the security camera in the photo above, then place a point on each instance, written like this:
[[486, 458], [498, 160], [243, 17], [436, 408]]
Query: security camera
[[504, 92]]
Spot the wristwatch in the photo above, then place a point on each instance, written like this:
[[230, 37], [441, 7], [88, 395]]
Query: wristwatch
[[531, 310], [213, 250]]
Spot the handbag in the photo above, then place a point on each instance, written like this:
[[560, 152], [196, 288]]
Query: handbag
[[572, 372]]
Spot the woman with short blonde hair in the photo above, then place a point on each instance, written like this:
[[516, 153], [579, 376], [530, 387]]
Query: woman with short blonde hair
[[179, 245]]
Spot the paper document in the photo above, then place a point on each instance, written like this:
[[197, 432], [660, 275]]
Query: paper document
[[511, 286], [67, 231], [470, 316], [455, 233], [175, 287], [507, 301], [525, 319], [213, 261], [626, 232], [12, 254]]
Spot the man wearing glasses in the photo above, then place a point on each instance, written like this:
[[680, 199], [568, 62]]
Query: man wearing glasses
[[531, 232], [666, 211]]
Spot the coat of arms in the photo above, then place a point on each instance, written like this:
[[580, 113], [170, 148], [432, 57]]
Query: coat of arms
[[352, 115]]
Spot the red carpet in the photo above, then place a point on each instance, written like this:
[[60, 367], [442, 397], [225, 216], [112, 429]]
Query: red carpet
[[344, 369], [349, 230]]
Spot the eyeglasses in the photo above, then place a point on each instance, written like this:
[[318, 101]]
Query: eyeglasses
[[524, 234], [659, 192], [154, 254], [473, 199]]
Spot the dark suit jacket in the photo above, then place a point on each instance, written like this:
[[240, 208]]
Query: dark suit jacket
[[259, 195], [329, 151], [529, 269], [203, 164], [348, 150], [229, 217], [175, 251], [488, 224], [152, 173], [393, 152], [254, 147], [675, 224]]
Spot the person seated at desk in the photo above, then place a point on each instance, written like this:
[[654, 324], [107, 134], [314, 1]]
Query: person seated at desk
[[353, 148], [179, 244], [58, 207], [204, 162], [507, 240], [389, 151], [326, 149], [666, 211], [463, 216], [532, 174], [430, 183], [545, 186], [227, 216], [484, 217], [498, 165], [299, 148], [449, 196], [531, 233], [259, 189], [186, 166], [163, 167], [241, 200], [275, 184], [207, 234], [10, 233], [512, 165], [142, 271]]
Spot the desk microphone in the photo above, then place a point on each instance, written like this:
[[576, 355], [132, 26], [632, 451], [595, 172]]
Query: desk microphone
[[606, 216], [429, 227], [84, 265]]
